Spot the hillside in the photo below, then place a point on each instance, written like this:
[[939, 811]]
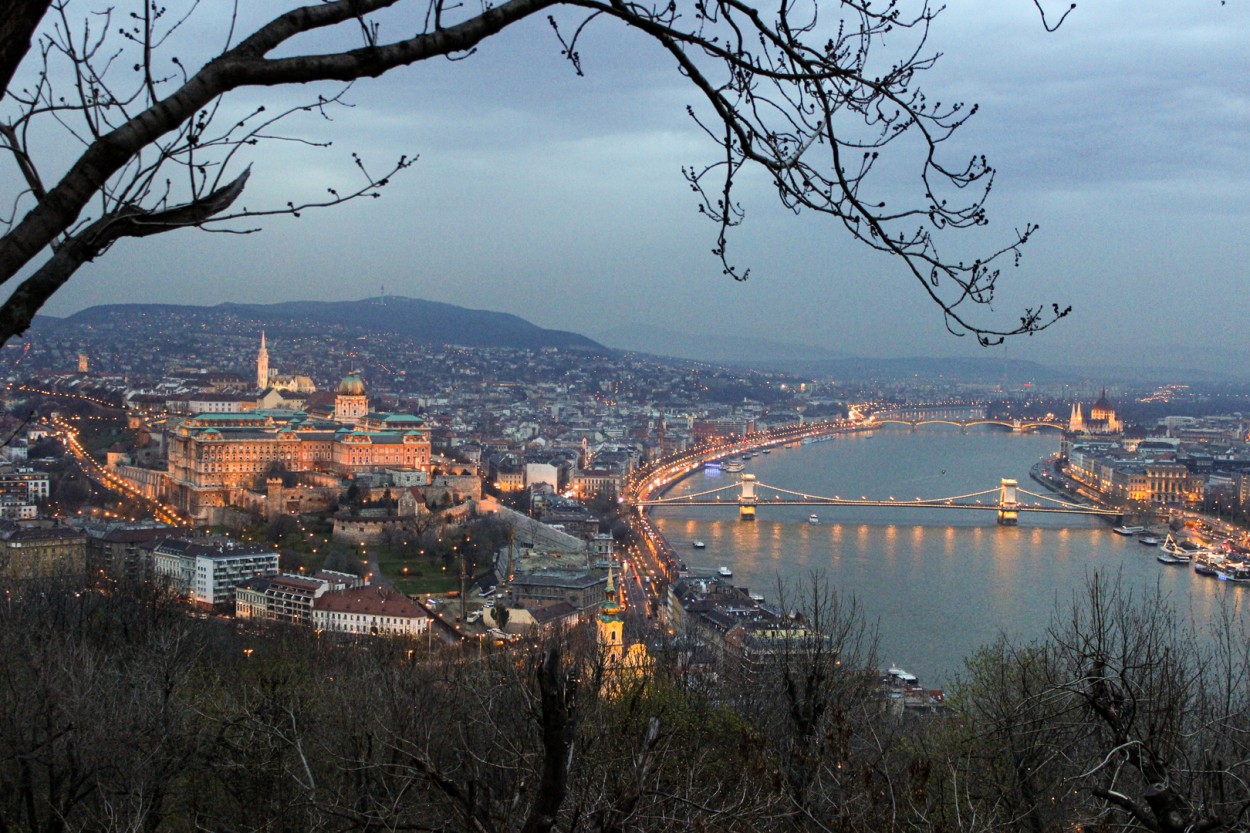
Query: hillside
[[424, 321]]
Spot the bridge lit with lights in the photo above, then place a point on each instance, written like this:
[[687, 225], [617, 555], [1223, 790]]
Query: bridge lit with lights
[[748, 495]]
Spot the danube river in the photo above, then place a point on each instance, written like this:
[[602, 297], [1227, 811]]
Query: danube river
[[936, 582]]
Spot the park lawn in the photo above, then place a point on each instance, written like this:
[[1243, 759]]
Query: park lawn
[[425, 585]]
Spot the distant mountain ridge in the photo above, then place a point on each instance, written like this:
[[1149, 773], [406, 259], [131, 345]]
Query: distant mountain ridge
[[428, 322], [711, 347]]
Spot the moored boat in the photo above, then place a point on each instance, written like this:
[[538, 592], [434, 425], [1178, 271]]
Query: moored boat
[[1150, 540], [1236, 571], [1184, 551], [733, 464], [1208, 565], [1128, 530]]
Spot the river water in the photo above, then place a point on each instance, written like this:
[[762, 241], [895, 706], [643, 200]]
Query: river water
[[936, 582]]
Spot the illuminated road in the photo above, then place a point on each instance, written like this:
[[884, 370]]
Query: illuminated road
[[107, 479]]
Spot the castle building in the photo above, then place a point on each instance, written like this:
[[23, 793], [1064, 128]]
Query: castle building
[[351, 404], [214, 457]]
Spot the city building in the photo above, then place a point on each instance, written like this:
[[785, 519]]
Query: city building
[[288, 598], [1102, 418], [582, 590], [371, 610], [40, 552], [124, 551], [207, 570]]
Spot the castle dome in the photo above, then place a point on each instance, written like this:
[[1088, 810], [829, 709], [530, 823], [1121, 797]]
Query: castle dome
[[352, 385]]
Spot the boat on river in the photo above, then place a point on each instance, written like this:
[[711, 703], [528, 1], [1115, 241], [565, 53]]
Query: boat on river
[[1235, 571], [1128, 530], [1183, 551], [813, 518], [1208, 564], [725, 572], [1150, 540], [697, 544], [733, 464]]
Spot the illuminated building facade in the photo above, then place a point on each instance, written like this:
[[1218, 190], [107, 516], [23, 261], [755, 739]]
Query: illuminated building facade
[[213, 457]]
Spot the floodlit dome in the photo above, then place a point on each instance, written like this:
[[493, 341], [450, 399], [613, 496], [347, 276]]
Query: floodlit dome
[[352, 385]]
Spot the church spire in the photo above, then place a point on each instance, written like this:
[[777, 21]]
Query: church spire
[[611, 624], [611, 605], [262, 364]]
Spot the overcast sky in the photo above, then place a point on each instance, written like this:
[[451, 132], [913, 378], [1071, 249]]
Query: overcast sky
[[560, 199]]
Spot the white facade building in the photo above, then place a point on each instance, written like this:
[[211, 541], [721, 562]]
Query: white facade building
[[372, 610], [207, 571]]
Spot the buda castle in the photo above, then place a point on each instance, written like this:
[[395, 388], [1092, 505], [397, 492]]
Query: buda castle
[[229, 459]]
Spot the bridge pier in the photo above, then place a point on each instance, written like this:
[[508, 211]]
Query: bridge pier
[[747, 499], [1008, 503]]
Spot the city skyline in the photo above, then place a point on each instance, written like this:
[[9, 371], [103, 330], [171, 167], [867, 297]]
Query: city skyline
[[1122, 134]]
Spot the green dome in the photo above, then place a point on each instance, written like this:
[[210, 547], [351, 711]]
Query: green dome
[[352, 385]]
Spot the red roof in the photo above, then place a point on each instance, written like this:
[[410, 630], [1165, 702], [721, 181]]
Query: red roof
[[373, 599]]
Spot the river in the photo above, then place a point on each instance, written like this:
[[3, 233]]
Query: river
[[936, 582]]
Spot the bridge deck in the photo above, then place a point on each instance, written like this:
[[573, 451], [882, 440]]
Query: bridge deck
[[891, 503]]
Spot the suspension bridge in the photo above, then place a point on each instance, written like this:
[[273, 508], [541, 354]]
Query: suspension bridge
[[748, 494]]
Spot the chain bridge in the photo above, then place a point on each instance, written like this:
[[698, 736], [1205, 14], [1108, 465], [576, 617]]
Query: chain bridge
[[749, 494]]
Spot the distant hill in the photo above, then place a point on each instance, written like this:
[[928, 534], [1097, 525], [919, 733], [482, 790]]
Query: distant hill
[[428, 322], [971, 369], [818, 362], [710, 347]]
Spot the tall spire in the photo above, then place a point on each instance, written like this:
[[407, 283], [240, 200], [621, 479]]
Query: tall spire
[[611, 624], [611, 605], [262, 364]]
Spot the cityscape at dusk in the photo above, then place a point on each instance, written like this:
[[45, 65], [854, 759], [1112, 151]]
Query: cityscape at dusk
[[587, 417], [1122, 135]]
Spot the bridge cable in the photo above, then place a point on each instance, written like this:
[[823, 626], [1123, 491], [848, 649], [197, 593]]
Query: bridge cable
[[686, 498], [805, 495]]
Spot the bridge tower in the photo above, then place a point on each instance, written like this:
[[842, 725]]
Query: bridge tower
[[1008, 503], [746, 500]]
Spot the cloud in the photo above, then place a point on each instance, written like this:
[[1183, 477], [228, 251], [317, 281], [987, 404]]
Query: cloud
[[560, 197]]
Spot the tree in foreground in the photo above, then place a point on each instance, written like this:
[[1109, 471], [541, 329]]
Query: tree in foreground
[[1120, 718], [823, 95]]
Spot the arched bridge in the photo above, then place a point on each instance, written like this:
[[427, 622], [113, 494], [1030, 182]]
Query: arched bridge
[[965, 424], [748, 494]]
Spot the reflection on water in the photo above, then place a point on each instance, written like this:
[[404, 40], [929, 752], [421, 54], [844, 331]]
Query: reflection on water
[[939, 582]]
